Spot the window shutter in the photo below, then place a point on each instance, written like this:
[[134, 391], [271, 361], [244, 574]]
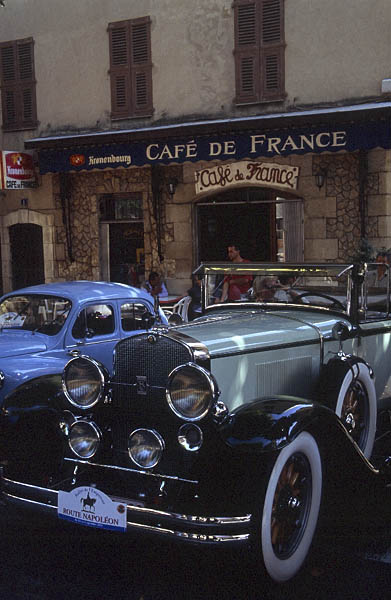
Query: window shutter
[[8, 82], [272, 49], [130, 68], [119, 70], [18, 85], [246, 52], [141, 66], [259, 50], [27, 84]]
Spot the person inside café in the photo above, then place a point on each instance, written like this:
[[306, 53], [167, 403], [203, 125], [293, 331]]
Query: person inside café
[[235, 286]]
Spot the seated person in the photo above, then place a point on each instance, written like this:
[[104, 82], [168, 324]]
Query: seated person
[[271, 289], [286, 293], [378, 277], [265, 288], [155, 286]]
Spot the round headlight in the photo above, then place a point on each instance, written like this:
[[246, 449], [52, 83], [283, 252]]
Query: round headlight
[[191, 391], [145, 448], [83, 382], [84, 439], [190, 437]]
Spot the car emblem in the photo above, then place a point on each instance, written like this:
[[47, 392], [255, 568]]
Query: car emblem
[[141, 382], [152, 339]]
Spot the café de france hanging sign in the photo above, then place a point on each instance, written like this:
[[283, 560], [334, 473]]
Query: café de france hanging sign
[[249, 173]]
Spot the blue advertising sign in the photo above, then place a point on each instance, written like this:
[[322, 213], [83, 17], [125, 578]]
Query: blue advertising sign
[[237, 146]]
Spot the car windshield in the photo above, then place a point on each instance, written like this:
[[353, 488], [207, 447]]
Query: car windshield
[[46, 314], [327, 286]]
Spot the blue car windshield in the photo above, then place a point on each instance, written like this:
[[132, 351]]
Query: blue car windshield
[[31, 312]]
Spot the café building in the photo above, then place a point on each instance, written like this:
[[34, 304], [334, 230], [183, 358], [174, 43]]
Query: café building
[[296, 186]]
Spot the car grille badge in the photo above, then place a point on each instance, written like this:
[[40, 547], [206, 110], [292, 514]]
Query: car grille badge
[[141, 383]]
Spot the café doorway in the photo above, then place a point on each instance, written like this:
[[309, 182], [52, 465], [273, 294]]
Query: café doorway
[[267, 226], [27, 260], [122, 238]]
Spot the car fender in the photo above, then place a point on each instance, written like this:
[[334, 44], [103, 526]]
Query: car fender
[[20, 371], [269, 424], [257, 432]]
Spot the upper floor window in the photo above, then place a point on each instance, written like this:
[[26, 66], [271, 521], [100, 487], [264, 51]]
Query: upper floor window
[[131, 68], [259, 50], [18, 85]]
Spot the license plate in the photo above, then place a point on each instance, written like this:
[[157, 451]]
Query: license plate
[[89, 506]]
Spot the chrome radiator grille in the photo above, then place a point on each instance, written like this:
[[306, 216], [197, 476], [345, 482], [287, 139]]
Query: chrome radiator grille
[[137, 358]]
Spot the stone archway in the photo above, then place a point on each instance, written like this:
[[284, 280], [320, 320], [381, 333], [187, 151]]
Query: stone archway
[[24, 216]]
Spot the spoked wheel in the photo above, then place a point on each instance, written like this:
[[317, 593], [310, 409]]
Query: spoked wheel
[[355, 412], [291, 503], [346, 385], [291, 508]]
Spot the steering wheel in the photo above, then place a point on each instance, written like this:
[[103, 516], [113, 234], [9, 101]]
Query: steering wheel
[[334, 302]]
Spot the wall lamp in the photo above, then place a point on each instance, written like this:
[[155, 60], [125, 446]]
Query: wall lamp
[[171, 186], [320, 178]]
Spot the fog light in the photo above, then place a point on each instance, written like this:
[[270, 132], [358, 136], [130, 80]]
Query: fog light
[[190, 437], [145, 448], [84, 439]]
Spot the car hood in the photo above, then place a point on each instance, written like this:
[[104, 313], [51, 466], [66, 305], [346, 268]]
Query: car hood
[[250, 330], [17, 343]]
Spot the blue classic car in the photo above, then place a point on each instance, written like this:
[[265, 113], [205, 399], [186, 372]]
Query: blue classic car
[[263, 422], [43, 325]]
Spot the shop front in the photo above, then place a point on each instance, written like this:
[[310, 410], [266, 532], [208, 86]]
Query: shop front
[[290, 187]]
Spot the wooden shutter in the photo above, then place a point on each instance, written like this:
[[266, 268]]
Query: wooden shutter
[[259, 50], [247, 51], [18, 85], [120, 70], [141, 66], [130, 68], [272, 50]]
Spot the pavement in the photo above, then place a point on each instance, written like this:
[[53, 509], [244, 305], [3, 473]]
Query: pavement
[[58, 561]]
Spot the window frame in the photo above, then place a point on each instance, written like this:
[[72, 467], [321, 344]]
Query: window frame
[[18, 94], [259, 51]]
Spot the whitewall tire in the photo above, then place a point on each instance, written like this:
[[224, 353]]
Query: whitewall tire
[[291, 508], [349, 389]]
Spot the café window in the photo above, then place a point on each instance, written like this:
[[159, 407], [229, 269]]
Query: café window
[[118, 207]]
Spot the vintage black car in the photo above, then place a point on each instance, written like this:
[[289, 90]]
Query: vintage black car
[[264, 422]]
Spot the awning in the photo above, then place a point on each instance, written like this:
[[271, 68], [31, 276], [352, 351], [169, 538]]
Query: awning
[[331, 129]]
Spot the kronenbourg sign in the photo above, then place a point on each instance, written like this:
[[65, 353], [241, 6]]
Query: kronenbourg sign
[[249, 173], [17, 170]]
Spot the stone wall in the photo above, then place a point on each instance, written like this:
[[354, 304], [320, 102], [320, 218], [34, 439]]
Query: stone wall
[[342, 195], [80, 259]]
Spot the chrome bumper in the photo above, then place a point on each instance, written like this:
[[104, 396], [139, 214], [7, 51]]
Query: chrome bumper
[[197, 529]]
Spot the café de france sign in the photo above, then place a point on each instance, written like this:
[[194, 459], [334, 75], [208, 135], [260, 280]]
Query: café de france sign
[[249, 173]]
